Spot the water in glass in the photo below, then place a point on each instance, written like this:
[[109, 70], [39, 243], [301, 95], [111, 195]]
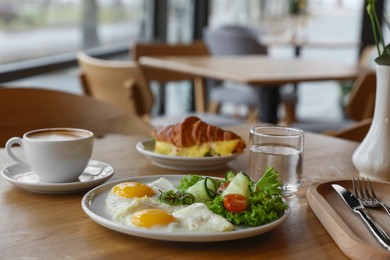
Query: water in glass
[[286, 160]]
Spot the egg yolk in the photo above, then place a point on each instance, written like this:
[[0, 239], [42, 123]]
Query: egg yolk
[[132, 190], [148, 218]]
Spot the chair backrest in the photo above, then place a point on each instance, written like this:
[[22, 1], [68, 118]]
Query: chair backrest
[[120, 83], [163, 49], [233, 40], [361, 102], [25, 109], [355, 132], [367, 57]]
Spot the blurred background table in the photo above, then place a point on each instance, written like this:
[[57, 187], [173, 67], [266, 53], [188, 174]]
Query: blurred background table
[[254, 70]]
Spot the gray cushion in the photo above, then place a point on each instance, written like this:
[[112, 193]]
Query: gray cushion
[[233, 40], [235, 93]]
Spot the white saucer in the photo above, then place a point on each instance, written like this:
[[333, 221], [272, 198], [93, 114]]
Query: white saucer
[[96, 173]]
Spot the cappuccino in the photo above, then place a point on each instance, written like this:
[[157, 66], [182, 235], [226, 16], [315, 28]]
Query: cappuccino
[[57, 155], [58, 135]]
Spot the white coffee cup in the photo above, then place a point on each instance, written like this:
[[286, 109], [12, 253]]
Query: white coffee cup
[[56, 155]]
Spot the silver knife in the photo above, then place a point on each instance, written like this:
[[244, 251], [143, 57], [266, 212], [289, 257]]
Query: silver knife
[[355, 205]]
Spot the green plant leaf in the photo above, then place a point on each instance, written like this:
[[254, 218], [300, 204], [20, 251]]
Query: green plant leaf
[[383, 50]]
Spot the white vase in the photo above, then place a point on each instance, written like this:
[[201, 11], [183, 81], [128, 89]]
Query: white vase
[[372, 157]]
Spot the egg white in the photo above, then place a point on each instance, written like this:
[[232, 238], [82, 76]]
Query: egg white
[[198, 217], [162, 184]]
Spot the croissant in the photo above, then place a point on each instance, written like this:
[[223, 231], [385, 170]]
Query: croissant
[[196, 138]]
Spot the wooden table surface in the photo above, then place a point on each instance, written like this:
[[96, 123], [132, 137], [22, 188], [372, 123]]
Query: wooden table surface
[[257, 70], [43, 226]]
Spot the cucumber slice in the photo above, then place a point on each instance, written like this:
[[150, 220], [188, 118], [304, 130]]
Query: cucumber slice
[[229, 175], [204, 190], [240, 184]]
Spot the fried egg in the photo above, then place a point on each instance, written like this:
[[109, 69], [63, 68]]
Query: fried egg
[[122, 195], [139, 204], [136, 205], [193, 218]]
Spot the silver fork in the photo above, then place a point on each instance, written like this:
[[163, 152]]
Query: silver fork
[[366, 194]]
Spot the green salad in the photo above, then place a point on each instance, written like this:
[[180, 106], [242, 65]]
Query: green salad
[[236, 197]]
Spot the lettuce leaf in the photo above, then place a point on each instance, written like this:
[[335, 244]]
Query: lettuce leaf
[[265, 203], [269, 183], [187, 181]]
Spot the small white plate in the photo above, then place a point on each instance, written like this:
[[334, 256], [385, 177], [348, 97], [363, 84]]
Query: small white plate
[[96, 173], [146, 147], [93, 204]]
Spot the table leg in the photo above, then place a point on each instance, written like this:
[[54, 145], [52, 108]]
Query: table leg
[[200, 95], [269, 104], [162, 96]]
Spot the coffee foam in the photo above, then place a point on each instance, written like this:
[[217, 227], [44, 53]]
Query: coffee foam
[[58, 135]]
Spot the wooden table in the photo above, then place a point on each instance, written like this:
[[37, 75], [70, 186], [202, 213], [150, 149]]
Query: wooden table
[[256, 70], [39, 226], [312, 43]]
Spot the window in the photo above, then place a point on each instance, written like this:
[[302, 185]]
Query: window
[[39, 28]]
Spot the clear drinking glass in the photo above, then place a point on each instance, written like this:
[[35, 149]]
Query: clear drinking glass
[[281, 148]]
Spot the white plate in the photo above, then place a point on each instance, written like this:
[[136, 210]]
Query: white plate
[[146, 147], [93, 204], [96, 173]]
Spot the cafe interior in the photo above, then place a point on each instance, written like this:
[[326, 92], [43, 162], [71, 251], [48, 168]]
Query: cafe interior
[[170, 91]]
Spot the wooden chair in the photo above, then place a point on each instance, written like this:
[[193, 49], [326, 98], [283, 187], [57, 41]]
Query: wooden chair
[[361, 102], [360, 108], [122, 83], [25, 109], [162, 49], [119, 83], [355, 132], [165, 76], [368, 56]]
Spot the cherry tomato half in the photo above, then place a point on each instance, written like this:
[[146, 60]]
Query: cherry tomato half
[[235, 202]]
